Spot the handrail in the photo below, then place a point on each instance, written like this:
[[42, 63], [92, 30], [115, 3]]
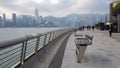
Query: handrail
[[12, 42], [28, 45]]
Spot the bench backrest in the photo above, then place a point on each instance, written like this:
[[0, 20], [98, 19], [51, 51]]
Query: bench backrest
[[89, 37]]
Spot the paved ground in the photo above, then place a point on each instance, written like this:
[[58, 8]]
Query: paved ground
[[103, 53], [115, 36]]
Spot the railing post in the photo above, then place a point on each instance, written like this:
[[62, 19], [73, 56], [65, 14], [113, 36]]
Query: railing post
[[37, 45], [53, 35], [45, 39], [23, 52], [50, 37]]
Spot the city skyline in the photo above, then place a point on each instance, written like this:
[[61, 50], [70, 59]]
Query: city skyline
[[51, 21], [54, 7]]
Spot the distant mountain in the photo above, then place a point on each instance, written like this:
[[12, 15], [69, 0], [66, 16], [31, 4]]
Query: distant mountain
[[77, 19]]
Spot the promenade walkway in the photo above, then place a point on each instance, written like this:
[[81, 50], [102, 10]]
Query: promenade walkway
[[103, 53]]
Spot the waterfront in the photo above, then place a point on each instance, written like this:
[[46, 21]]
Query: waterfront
[[11, 33]]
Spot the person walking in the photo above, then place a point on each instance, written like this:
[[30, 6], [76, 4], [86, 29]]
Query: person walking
[[110, 30], [83, 28], [93, 28]]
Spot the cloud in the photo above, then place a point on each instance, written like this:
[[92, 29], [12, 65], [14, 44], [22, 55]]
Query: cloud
[[54, 7], [93, 6]]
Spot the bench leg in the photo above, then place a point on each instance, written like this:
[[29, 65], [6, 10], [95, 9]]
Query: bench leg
[[80, 54]]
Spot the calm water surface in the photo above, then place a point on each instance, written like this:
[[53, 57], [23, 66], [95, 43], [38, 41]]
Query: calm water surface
[[11, 33]]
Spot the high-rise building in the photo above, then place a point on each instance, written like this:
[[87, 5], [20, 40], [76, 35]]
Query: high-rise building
[[4, 18], [40, 19], [14, 18], [0, 21], [36, 14], [0, 18]]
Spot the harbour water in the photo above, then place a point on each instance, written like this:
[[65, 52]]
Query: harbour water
[[11, 33]]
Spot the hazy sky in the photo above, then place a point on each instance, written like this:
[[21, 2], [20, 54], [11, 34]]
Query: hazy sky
[[54, 7]]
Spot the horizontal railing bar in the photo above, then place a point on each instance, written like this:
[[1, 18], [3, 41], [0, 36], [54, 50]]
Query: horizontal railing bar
[[33, 40], [30, 49], [29, 55], [8, 43], [30, 44], [15, 64], [10, 54], [10, 50], [17, 45], [11, 58]]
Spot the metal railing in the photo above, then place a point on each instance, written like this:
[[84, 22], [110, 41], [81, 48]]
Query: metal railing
[[15, 52]]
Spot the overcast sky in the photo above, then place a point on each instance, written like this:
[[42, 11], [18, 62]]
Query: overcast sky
[[54, 7]]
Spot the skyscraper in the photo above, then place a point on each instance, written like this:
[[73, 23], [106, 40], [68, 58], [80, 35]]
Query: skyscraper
[[14, 18], [40, 19], [36, 14], [4, 18], [0, 18], [0, 21]]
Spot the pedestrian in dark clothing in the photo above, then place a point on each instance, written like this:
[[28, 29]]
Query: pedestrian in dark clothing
[[93, 27], [79, 28], [83, 28], [110, 30]]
